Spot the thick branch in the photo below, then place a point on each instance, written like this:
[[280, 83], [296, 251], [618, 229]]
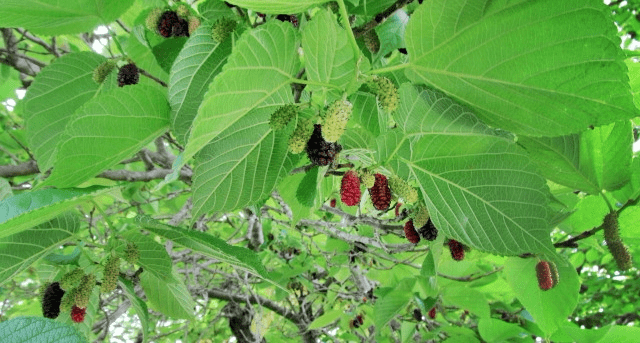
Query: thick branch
[[256, 300], [379, 18], [26, 168]]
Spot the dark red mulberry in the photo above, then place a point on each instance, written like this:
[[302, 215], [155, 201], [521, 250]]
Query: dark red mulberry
[[380, 193], [457, 250], [350, 189], [77, 313], [128, 75], [168, 19], [398, 209], [543, 273], [333, 202], [432, 313], [51, 300], [429, 231], [411, 233], [319, 151]]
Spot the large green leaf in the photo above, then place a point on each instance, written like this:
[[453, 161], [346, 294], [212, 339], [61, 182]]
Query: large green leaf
[[542, 68], [27, 210], [38, 330], [328, 56], [254, 81], [367, 113], [106, 130], [153, 256], [55, 94], [55, 17], [168, 296], [240, 258], [277, 6], [393, 302], [214, 9], [21, 250], [479, 187], [548, 312], [198, 63], [138, 305]]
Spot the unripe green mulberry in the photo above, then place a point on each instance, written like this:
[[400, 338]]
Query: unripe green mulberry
[[402, 189], [335, 120], [300, 136], [110, 276], [555, 275], [222, 28], [152, 19], [131, 253], [103, 70], [371, 41], [194, 23], [68, 300], [420, 216], [282, 116], [71, 279], [367, 178], [614, 243], [84, 290], [386, 92], [183, 10]]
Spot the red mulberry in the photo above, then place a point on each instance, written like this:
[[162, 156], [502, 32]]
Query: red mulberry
[[333, 202], [457, 250], [319, 151], [543, 273], [380, 193], [128, 75], [432, 313], [398, 209], [77, 314], [411, 233], [51, 300], [428, 231], [350, 189]]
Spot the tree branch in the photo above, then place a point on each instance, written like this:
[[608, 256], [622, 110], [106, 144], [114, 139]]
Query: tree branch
[[379, 18]]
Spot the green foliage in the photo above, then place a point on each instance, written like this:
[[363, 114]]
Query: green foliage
[[37, 330]]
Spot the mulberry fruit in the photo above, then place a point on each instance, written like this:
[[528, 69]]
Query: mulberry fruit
[[398, 209], [71, 279], [222, 29], [371, 41], [432, 313], [282, 116], [110, 274], [128, 75], [421, 216], [84, 290], [131, 253], [103, 70], [335, 120], [333, 202], [77, 314], [290, 18], [386, 92], [555, 275], [428, 231], [51, 300], [300, 136], [319, 151], [194, 24], [402, 51], [166, 23], [402, 188], [612, 236], [367, 178], [457, 250], [68, 300], [543, 273], [153, 20], [380, 193], [183, 11], [410, 232], [417, 314], [350, 189]]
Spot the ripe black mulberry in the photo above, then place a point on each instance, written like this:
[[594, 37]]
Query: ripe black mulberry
[[319, 151], [51, 300], [128, 75], [428, 231], [380, 193], [457, 250]]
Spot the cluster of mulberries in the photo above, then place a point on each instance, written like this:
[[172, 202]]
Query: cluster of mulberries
[[222, 29], [614, 243], [335, 120], [372, 41], [71, 279], [350, 189], [131, 253], [51, 299], [78, 313], [428, 231], [282, 116], [457, 250], [103, 70], [380, 193], [356, 322], [403, 190], [83, 291], [128, 75], [300, 136], [319, 151], [386, 92], [168, 23], [544, 275], [410, 232], [110, 274]]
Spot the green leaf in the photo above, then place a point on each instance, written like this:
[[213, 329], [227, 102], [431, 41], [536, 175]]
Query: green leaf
[[391, 32], [138, 305], [145, 59], [240, 258], [328, 56], [469, 299], [325, 319], [277, 6], [57, 91], [308, 188], [5, 189], [634, 80], [288, 188], [27, 210], [106, 130], [167, 51], [153, 256], [55, 17], [619, 333], [548, 312], [543, 68], [393, 302], [198, 63], [480, 189], [268, 53], [169, 296], [62, 259], [241, 166], [213, 10], [495, 330], [371, 7], [367, 113], [38, 330], [19, 251]]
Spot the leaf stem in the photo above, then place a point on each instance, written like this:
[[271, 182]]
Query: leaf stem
[[314, 83], [347, 26], [388, 69], [607, 202]]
